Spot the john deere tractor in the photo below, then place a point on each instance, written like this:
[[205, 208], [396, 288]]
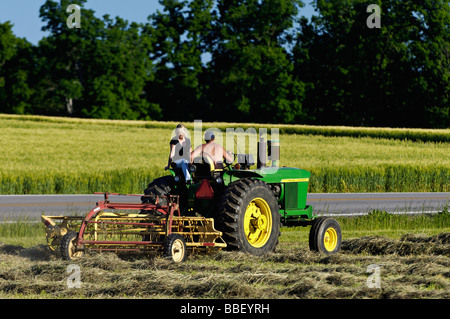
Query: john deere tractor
[[249, 201]]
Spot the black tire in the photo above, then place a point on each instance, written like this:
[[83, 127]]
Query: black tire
[[68, 248], [325, 236], [162, 186], [253, 235], [175, 248], [313, 233]]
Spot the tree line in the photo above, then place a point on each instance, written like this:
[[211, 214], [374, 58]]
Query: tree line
[[258, 61]]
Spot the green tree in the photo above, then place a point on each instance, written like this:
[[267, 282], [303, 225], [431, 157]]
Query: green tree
[[98, 70], [7, 43], [179, 34], [61, 55], [429, 53], [16, 63], [251, 69], [120, 73], [396, 75]]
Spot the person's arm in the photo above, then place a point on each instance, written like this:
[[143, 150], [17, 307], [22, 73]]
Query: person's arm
[[190, 149], [196, 152], [171, 154], [228, 157]]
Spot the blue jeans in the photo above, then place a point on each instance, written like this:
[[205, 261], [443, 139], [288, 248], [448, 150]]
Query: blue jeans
[[184, 165]]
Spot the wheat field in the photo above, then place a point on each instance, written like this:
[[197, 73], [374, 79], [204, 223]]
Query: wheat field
[[44, 155]]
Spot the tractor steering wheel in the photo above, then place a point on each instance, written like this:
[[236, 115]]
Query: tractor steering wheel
[[230, 165], [204, 161]]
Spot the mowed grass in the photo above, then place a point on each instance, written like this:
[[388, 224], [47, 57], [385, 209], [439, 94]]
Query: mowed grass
[[27, 233], [44, 155], [412, 251]]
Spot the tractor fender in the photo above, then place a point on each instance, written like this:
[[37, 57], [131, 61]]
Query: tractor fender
[[232, 175], [172, 172]]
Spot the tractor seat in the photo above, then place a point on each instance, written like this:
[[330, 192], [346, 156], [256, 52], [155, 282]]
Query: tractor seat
[[204, 166]]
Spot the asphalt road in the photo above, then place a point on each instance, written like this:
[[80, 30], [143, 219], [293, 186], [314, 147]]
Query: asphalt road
[[349, 204], [30, 207]]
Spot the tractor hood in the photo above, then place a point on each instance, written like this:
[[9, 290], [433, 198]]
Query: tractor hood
[[269, 175], [283, 174]]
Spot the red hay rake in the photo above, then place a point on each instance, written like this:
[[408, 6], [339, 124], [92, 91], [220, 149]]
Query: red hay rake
[[146, 227]]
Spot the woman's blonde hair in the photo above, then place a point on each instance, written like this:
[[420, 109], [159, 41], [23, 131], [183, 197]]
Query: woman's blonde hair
[[181, 130]]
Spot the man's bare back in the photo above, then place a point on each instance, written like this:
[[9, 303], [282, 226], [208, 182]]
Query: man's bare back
[[216, 151]]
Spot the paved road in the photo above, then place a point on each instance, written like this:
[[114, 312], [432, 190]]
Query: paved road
[[13, 207], [31, 207], [348, 204]]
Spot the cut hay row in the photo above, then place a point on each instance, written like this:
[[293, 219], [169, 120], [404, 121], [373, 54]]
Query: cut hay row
[[408, 267]]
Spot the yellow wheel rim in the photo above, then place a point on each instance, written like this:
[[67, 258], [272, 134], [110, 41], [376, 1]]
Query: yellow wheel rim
[[330, 239], [258, 222], [73, 253], [177, 250]]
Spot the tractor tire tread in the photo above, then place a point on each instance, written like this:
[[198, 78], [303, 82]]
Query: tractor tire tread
[[229, 208]]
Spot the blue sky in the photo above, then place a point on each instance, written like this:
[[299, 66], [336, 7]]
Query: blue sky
[[24, 14]]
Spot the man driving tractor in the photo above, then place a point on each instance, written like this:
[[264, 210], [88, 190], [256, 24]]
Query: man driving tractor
[[214, 150]]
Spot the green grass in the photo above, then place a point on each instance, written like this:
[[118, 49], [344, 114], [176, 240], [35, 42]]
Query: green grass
[[381, 223], [47, 155], [377, 223], [21, 228], [22, 232], [380, 220]]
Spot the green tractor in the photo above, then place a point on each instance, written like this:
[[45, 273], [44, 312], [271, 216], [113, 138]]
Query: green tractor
[[249, 205]]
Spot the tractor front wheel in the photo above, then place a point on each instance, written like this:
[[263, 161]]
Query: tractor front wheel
[[248, 216], [325, 236]]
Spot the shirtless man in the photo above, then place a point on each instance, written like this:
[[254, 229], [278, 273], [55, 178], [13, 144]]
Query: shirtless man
[[216, 151]]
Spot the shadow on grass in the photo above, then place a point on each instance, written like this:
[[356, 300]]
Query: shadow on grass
[[35, 253]]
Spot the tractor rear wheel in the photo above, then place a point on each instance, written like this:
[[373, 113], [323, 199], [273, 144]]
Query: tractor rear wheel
[[248, 216], [160, 187], [325, 236], [68, 248]]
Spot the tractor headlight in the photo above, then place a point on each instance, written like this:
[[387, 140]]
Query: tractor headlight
[[219, 180]]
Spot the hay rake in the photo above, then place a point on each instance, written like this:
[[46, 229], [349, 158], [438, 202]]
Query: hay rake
[[143, 227]]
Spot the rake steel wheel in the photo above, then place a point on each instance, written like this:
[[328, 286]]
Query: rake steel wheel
[[68, 248], [175, 248]]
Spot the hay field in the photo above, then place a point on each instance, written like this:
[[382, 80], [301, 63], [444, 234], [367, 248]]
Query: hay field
[[412, 266], [412, 253], [44, 155]]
